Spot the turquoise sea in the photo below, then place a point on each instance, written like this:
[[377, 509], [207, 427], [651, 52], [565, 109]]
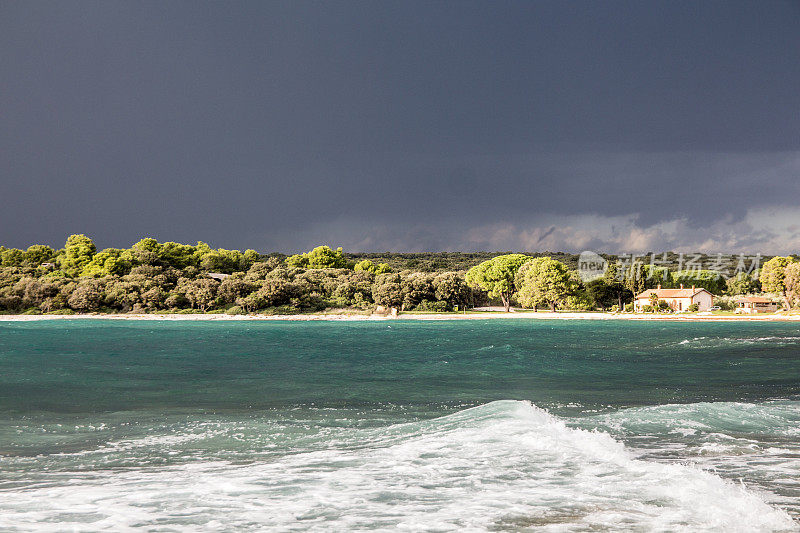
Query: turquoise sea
[[474, 425]]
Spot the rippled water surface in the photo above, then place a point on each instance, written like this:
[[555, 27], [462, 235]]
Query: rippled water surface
[[510, 424]]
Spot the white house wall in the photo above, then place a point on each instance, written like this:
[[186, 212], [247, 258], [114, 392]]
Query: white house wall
[[703, 300]]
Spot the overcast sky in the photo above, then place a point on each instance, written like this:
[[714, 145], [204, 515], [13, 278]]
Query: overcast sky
[[404, 126]]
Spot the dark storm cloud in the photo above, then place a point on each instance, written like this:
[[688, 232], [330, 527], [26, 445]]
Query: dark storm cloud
[[407, 125]]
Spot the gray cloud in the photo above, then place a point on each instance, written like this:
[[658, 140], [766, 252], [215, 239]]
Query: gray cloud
[[407, 125], [768, 231]]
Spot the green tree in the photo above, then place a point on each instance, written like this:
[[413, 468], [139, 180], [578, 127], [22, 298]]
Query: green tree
[[742, 283], [35, 292], [653, 301], [417, 287], [635, 278], [297, 261], [259, 271], [122, 295], [602, 294], [153, 298], [147, 251], [234, 287], [200, 250], [176, 300], [773, 274], [319, 257], [276, 291], [221, 260], [451, 287], [543, 281], [656, 275], [252, 302], [710, 280], [496, 276], [368, 266], [579, 300], [201, 293], [614, 279], [325, 257], [353, 289], [11, 257], [78, 252], [249, 257], [388, 291], [37, 254], [58, 300], [87, 296], [109, 262], [179, 255], [791, 280]]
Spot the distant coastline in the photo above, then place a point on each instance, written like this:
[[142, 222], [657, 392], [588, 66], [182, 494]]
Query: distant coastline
[[540, 315], [170, 279]]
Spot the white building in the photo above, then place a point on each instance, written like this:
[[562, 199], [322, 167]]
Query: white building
[[755, 304], [678, 299]]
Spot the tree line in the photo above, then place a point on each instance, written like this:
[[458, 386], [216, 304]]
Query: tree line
[[536, 282], [154, 277], [151, 277]]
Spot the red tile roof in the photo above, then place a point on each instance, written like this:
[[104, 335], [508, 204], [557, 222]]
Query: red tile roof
[[755, 300], [670, 293]]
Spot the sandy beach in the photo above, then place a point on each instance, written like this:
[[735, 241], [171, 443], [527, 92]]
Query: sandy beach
[[540, 315]]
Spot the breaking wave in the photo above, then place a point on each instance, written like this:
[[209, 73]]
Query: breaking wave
[[503, 465], [758, 443]]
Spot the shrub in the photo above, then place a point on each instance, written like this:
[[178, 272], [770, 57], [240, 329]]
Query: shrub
[[61, 312], [309, 302], [387, 290], [439, 306], [86, 296], [578, 302], [452, 288], [368, 266], [726, 303], [259, 271]]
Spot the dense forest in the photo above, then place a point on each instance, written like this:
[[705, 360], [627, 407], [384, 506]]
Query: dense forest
[[157, 277]]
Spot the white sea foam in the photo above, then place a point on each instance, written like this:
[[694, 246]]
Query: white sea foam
[[504, 465], [754, 442], [720, 342]]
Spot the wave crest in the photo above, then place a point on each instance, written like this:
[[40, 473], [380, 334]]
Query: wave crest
[[779, 418], [506, 464]]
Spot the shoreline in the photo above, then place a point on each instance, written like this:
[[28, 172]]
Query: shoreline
[[541, 315]]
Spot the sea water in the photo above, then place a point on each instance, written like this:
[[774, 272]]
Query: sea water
[[474, 425]]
